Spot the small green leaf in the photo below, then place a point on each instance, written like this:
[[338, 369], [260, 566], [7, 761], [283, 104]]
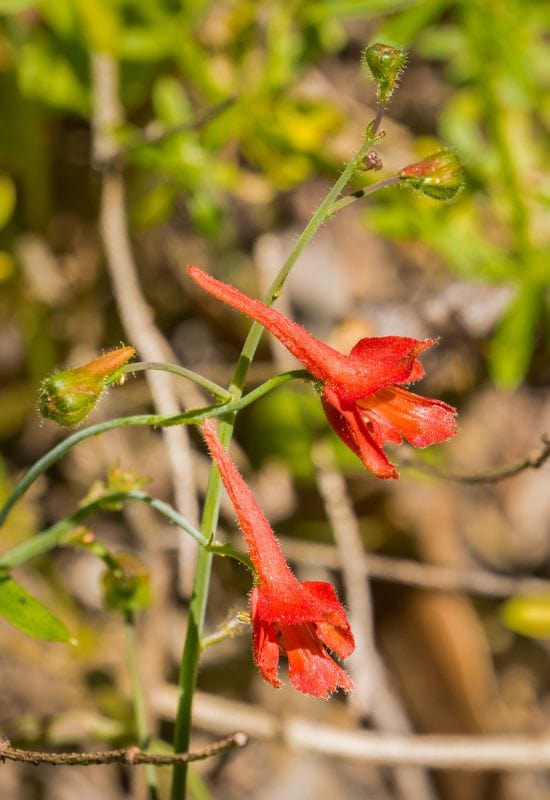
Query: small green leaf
[[127, 587], [25, 612], [512, 345], [528, 615]]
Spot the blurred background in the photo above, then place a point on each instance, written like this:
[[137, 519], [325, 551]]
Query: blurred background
[[227, 122]]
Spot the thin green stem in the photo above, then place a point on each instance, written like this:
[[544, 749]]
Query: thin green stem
[[232, 627], [138, 700], [52, 537], [352, 198], [380, 111], [191, 651], [182, 372], [150, 420]]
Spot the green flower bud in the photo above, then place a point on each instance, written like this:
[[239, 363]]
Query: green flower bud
[[386, 65], [439, 176], [67, 397], [128, 587]]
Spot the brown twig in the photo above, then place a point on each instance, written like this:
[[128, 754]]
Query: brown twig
[[354, 566], [533, 461], [135, 313], [507, 753], [424, 576], [373, 696], [131, 756]]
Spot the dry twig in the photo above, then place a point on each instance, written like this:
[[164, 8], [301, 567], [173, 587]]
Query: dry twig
[[424, 576], [507, 753], [534, 460], [136, 315], [131, 756], [373, 696]]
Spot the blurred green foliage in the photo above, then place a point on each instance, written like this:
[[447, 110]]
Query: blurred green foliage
[[25, 612], [217, 118]]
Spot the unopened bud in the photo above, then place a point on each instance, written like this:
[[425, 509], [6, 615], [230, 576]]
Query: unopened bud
[[127, 588], [372, 161], [439, 176], [385, 64], [67, 397]]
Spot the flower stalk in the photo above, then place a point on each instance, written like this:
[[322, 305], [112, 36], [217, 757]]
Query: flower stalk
[[191, 651]]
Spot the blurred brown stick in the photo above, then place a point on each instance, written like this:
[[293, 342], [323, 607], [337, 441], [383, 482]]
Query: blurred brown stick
[[424, 576], [507, 753], [135, 313], [534, 460], [130, 756], [373, 697]]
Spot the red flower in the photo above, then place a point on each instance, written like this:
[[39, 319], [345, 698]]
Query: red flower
[[362, 396], [299, 619]]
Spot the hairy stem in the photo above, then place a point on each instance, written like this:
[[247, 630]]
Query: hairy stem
[[192, 648], [182, 372]]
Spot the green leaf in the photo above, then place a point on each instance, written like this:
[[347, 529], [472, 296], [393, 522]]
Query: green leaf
[[15, 6], [126, 586], [529, 616], [25, 612], [170, 101], [512, 345], [7, 198]]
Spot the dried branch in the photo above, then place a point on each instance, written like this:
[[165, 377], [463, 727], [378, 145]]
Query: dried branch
[[507, 753], [131, 756], [373, 696], [534, 460], [135, 313], [424, 576], [349, 549]]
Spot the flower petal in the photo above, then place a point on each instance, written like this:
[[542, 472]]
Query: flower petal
[[265, 644], [310, 668], [391, 359], [421, 420], [347, 422], [265, 551], [291, 605], [333, 628]]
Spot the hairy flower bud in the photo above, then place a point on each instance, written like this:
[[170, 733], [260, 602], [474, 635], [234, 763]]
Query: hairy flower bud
[[67, 397], [439, 176], [385, 64]]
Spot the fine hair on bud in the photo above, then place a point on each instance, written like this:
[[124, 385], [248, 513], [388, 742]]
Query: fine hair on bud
[[385, 64], [67, 397]]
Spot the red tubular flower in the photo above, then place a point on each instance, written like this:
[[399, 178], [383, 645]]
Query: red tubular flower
[[299, 619], [362, 396]]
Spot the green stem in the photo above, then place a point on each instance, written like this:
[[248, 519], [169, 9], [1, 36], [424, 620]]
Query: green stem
[[182, 372], [151, 420], [50, 538], [352, 198], [138, 698], [191, 651]]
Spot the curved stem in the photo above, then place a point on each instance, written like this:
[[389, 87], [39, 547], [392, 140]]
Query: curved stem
[[182, 372], [151, 420], [191, 651], [375, 187], [50, 538]]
